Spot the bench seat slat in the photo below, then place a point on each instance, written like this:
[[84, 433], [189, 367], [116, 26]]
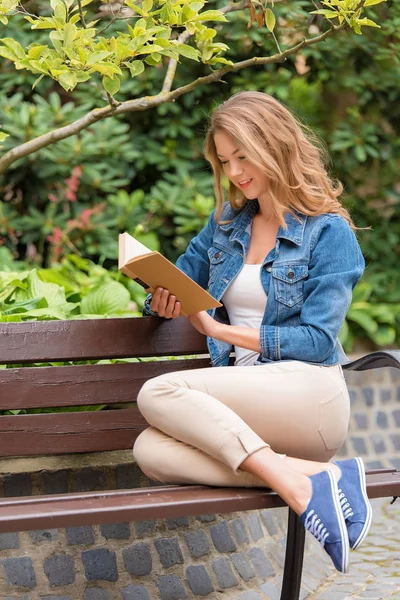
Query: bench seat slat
[[63, 433], [47, 341], [90, 508], [32, 387]]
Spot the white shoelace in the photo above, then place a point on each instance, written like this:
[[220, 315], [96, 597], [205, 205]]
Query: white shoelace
[[345, 505], [314, 525]]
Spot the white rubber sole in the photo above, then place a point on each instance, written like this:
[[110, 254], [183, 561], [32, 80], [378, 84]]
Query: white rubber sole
[[367, 524], [342, 524]]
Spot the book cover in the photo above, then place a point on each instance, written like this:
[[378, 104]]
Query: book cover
[[152, 270]]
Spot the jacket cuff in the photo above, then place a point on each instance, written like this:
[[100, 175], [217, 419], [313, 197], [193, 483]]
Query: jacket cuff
[[146, 310], [270, 344]]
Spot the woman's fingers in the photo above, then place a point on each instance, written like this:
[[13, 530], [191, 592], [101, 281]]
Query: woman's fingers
[[165, 304]]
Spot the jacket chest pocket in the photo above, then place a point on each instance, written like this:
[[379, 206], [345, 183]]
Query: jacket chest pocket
[[289, 283], [217, 258]]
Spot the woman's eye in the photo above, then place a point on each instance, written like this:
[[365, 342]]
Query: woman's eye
[[242, 157]]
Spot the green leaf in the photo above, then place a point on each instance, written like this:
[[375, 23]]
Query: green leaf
[[211, 15], [367, 23], [136, 67], [270, 20], [111, 85], [59, 8], [97, 57], [3, 136], [188, 51], [363, 319], [384, 336], [106, 299], [67, 80], [15, 47], [55, 295], [372, 2]]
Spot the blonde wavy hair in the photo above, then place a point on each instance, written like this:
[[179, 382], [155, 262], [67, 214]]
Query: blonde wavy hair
[[285, 150]]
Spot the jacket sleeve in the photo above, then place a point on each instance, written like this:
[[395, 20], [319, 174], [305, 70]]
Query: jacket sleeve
[[194, 262], [336, 265]]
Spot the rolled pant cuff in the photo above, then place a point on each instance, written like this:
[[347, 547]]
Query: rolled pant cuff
[[240, 446]]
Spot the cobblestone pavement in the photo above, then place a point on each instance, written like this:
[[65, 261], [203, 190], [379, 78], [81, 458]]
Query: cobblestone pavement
[[374, 568]]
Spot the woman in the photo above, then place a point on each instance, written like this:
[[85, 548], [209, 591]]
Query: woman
[[282, 258]]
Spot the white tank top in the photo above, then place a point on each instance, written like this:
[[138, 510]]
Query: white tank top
[[245, 301]]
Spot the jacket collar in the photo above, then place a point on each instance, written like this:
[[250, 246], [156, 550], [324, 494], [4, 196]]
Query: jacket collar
[[295, 224]]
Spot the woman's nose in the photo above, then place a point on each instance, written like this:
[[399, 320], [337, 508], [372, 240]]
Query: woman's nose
[[236, 169]]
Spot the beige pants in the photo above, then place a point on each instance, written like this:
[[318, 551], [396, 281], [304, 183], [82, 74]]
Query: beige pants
[[206, 422]]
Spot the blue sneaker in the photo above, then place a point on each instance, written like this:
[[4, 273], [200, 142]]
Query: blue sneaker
[[323, 517], [356, 507]]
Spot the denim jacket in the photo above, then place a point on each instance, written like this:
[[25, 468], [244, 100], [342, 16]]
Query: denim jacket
[[308, 278]]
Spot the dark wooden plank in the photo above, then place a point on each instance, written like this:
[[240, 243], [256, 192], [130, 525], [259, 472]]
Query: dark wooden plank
[[90, 508], [129, 505], [62, 433], [33, 387], [44, 341]]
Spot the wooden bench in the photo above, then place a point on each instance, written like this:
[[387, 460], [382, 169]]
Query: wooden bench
[[64, 433]]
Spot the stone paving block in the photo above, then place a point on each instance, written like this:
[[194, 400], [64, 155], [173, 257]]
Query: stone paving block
[[396, 441], [25, 597], [199, 580], [396, 416], [206, 518], [260, 562], [145, 527], [378, 443], [100, 564], [361, 420], [197, 542], [374, 464], [19, 571], [223, 570], [239, 531], [382, 420], [59, 569], [221, 537], [254, 525], [271, 590], [169, 551], [368, 394], [359, 445], [9, 541], [177, 522], [134, 592], [55, 482], [171, 587], [385, 395], [89, 480], [243, 566], [80, 535], [97, 594], [17, 484], [269, 521], [128, 476], [43, 535], [137, 560], [116, 531]]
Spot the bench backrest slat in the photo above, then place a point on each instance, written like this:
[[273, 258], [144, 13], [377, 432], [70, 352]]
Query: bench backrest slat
[[59, 433], [34, 387], [46, 341], [31, 387]]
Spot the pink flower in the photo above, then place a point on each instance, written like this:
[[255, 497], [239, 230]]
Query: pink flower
[[56, 237], [52, 198]]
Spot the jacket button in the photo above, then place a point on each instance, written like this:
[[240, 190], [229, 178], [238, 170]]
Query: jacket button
[[269, 269], [217, 255], [290, 274]]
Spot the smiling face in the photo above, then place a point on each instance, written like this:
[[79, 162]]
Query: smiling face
[[240, 171]]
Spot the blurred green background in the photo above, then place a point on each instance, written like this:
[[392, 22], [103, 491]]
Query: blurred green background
[[62, 208]]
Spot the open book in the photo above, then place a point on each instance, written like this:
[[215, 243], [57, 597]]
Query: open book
[[152, 270]]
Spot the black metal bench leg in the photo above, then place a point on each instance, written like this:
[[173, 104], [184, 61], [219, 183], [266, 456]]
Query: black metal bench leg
[[294, 558]]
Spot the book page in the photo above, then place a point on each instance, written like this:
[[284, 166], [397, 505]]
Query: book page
[[130, 248]]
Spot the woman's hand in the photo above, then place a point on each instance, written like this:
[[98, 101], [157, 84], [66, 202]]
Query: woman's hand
[[165, 304], [204, 323]]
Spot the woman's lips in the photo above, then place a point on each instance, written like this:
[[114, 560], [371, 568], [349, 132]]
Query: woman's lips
[[243, 186]]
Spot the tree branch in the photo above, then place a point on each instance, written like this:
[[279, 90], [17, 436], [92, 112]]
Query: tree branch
[[81, 14], [147, 102]]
